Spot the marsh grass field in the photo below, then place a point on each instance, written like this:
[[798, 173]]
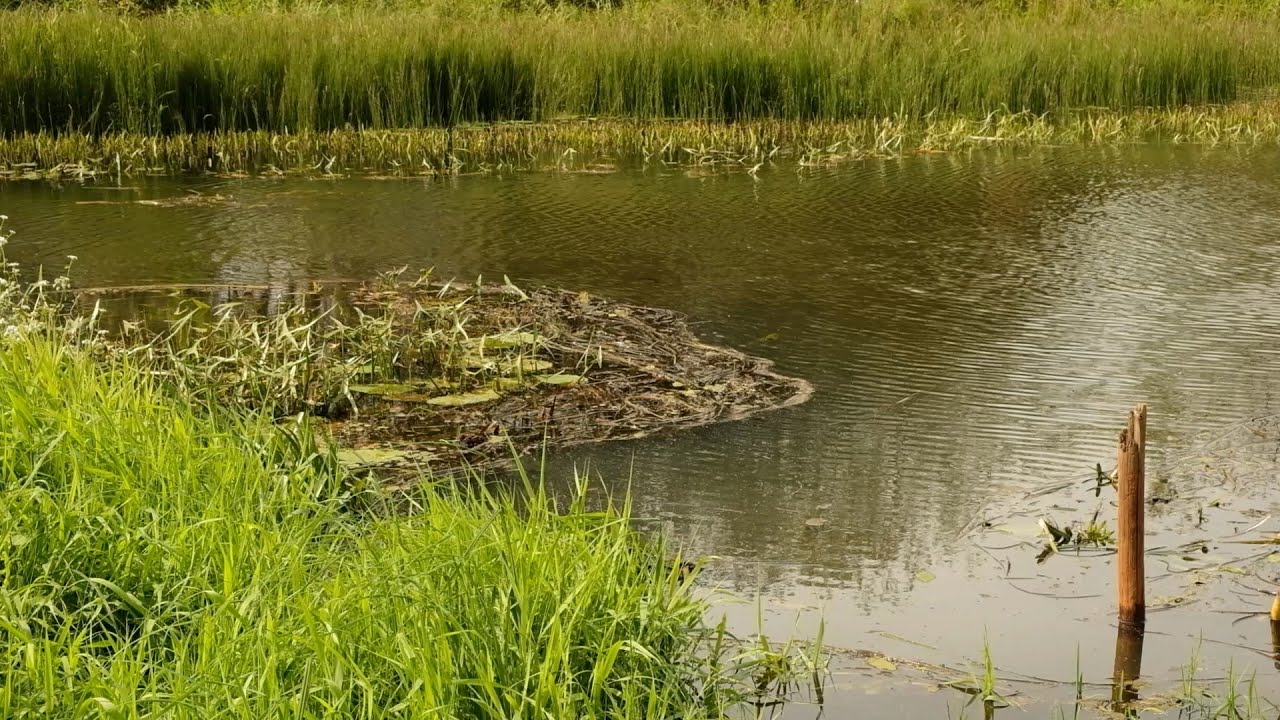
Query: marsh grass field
[[437, 85]]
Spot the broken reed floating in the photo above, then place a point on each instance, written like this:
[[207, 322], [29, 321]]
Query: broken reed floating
[[438, 65]]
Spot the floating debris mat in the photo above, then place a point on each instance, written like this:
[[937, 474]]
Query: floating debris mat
[[424, 377]]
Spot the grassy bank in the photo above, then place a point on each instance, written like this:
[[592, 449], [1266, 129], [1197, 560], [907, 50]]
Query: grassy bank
[[164, 557], [95, 72]]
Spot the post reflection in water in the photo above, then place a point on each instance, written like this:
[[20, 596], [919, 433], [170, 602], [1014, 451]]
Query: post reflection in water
[[1275, 629], [1128, 667]]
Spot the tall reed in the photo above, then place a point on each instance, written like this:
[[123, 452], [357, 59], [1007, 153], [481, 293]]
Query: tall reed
[[95, 72]]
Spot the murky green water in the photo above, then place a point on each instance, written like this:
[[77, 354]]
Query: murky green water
[[975, 325]]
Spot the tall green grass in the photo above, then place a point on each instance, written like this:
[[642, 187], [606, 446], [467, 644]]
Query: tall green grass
[[163, 557], [165, 560], [94, 72]]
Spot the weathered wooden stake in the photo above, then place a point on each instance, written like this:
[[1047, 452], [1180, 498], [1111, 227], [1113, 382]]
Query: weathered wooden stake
[[1130, 486]]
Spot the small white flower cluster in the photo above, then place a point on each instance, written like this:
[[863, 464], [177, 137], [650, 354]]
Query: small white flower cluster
[[16, 311]]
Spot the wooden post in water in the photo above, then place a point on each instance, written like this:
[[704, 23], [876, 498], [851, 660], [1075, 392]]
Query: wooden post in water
[[1130, 486]]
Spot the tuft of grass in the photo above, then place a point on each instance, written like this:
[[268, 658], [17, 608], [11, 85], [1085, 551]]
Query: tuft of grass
[[1232, 697], [983, 687]]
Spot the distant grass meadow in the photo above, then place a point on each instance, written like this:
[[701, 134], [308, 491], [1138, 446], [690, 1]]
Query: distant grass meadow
[[321, 68]]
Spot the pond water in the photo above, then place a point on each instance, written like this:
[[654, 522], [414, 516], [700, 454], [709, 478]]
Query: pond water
[[976, 326]]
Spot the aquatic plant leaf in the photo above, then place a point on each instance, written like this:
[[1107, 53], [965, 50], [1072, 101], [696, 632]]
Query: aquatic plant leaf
[[560, 379], [815, 522], [1058, 535], [881, 663], [526, 365], [925, 576], [382, 389], [1274, 557], [476, 362], [468, 398], [1045, 553], [360, 457], [509, 340], [1233, 569], [438, 383], [510, 383]]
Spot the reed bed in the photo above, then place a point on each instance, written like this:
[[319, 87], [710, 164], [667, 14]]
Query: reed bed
[[92, 72], [166, 555], [600, 146]]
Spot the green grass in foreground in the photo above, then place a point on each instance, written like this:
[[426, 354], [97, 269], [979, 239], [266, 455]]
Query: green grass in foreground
[[287, 72], [163, 558]]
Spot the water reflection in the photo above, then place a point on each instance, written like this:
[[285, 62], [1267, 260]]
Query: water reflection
[[1128, 668]]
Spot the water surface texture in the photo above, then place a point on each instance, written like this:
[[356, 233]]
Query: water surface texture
[[976, 326]]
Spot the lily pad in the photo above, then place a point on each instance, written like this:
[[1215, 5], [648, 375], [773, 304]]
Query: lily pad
[[438, 383], [382, 389], [509, 383], [467, 398], [526, 366], [360, 457], [880, 663], [509, 340], [476, 362], [560, 379]]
